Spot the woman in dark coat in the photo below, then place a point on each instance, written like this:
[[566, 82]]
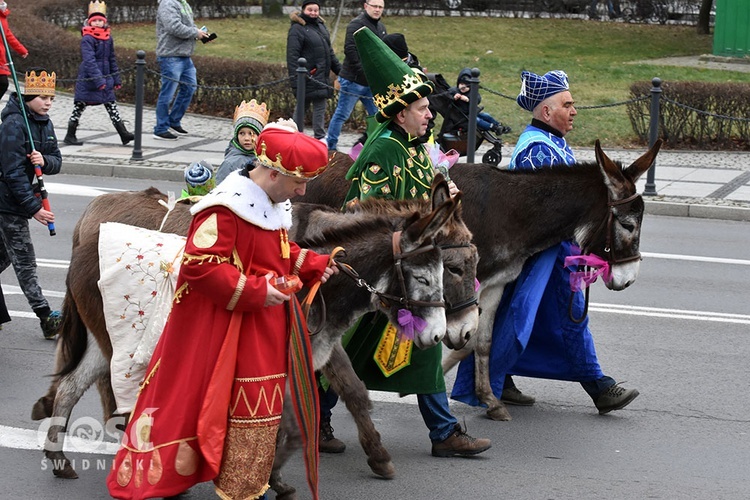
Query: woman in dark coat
[[97, 76], [308, 37]]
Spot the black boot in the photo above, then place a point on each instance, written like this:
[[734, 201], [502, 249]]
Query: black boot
[[125, 136], [70, 137]]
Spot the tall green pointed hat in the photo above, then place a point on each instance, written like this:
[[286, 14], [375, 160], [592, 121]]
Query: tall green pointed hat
[[394, 85]]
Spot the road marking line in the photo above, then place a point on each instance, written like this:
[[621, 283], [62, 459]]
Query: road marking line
[[696, 258], [657, 312], [30, 439]]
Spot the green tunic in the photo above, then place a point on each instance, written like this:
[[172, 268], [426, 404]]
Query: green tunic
[[392, 167]]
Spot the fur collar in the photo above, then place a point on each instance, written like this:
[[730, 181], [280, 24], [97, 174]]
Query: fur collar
[[296, 17], [249, 202]]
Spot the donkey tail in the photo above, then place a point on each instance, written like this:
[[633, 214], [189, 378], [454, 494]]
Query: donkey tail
[[73, 336]]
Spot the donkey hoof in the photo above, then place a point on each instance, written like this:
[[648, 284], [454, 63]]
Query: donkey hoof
[[42, 409], [67, 472], [382, 469], [499, 413]]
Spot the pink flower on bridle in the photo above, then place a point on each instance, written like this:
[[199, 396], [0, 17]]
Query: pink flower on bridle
[[595, 267], [410, 323]]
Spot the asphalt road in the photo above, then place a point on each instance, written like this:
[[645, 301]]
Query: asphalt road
[[679, 334]]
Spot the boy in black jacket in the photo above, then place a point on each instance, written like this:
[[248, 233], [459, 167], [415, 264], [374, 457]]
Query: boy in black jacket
[[19, 195]]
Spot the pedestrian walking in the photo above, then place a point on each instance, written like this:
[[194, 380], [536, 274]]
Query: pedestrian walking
[[176, 34], [98, 75]]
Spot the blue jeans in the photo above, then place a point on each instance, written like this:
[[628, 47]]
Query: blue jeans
[[485, 121], [350, 93], [437, 415], [596, 387], [176, 72]]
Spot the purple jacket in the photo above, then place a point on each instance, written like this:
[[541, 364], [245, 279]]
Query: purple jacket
[[96, 70]]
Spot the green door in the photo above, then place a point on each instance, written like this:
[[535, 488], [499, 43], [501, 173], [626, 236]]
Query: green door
[[732, 30]]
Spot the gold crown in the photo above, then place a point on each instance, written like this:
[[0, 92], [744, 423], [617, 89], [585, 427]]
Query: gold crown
[[43, 84], [252, 109], [97, 7]]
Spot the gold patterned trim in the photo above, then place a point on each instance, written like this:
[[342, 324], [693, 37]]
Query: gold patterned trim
[[163, 445], [219, 259], [237, 261], [260, 379], [277, 396], [237, 292], [149, 376], [183, 290], [300, 260], [247, 421]]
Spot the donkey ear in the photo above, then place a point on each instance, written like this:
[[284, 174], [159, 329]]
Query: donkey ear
[[611, 171], [426, 228], [440, 191], [639, 166]]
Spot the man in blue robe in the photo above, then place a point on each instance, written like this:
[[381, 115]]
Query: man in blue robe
[[533, 334]]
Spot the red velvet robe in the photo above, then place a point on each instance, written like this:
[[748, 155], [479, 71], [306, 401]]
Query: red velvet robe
[[212, 399]]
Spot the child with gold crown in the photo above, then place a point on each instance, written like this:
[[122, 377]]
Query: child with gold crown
[[98, 75], [249, 120], [18, 191]]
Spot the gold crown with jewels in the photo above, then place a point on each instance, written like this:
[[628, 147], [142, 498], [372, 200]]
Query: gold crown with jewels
[[97, 7], [41, 84], [252, 110]]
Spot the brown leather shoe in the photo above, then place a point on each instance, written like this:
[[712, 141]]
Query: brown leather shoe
[[513, 396], [327, 442], [460, 444]]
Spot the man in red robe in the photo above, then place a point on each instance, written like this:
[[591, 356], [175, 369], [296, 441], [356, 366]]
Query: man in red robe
[[211, 401]]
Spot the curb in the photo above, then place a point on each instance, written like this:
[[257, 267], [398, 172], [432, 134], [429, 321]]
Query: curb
[[142, 170], [697, 210], [130, 170]]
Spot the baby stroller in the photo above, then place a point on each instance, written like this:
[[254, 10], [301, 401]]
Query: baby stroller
[[454, 131]]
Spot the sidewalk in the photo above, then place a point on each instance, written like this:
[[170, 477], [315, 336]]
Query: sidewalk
[[707, 184]]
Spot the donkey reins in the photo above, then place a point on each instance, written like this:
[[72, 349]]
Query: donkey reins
[[398, 256]]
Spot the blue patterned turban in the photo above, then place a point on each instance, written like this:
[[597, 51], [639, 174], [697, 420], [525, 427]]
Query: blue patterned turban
[[535, 88]]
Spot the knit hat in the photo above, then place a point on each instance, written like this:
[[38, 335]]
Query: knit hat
[[199, 177], [39, 84], [394, 84], [305, 3], [282, 148], [397, 43], [97, 8], [250, 114], [535, 88]]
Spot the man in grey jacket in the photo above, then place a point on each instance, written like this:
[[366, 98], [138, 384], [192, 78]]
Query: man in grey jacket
[[176, 33]]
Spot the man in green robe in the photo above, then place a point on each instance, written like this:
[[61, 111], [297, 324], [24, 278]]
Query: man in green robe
[[394, 164]]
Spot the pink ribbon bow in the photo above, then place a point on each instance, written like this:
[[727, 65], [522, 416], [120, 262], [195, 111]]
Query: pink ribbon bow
[[409, 323], [580, 280]]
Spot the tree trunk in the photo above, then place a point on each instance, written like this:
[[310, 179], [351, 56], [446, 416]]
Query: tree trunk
[[704, 17], [272, 8]]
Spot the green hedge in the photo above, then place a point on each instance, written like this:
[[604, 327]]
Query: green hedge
[[698, 115]]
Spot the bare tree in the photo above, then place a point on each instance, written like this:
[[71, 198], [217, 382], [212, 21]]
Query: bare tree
[[704, 17]]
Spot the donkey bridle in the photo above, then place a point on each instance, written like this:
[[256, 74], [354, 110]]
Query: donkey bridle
[[463, 304], [607, 225], [398, 257]]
